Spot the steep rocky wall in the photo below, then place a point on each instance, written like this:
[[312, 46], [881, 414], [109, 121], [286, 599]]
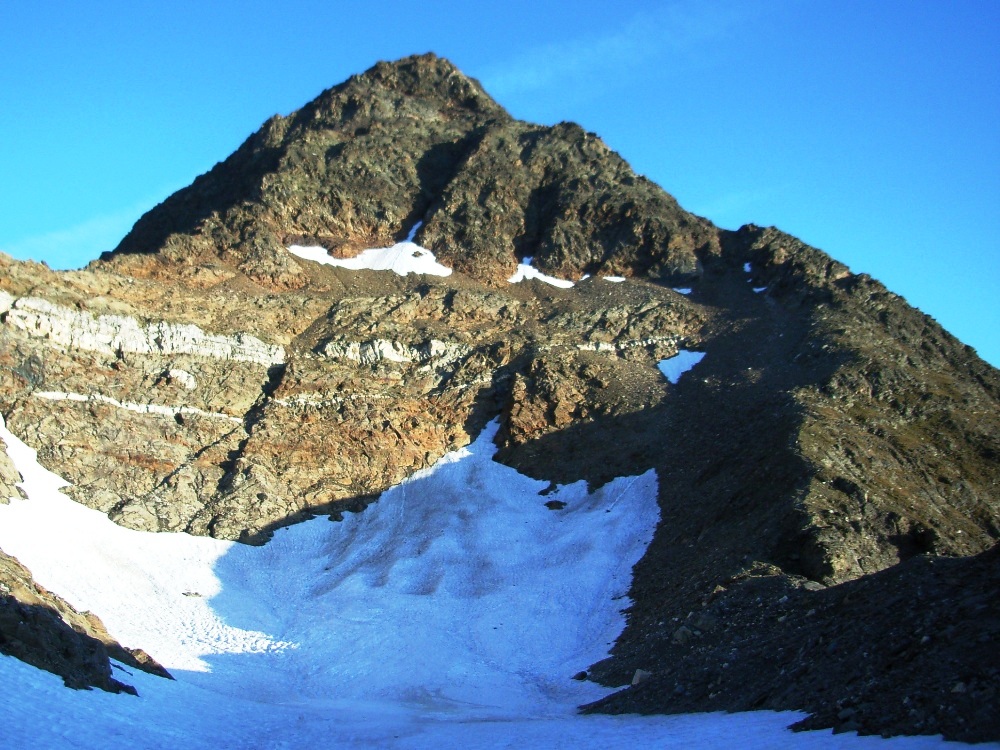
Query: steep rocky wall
[[119, 334], [904, 433], [831, 432], [166, 427], [127, 410]]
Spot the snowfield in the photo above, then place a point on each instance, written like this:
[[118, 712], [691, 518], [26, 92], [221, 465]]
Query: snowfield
[[451, 613]]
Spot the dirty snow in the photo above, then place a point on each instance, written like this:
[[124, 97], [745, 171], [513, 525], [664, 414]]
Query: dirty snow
[[449, 614], [526, 271], [675, 366]]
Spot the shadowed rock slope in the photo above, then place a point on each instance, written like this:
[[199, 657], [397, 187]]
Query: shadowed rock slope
[[831, 461]]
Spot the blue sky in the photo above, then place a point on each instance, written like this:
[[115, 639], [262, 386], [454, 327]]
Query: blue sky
[[866, 129]]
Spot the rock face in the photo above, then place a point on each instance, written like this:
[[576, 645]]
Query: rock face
[[117, 334], [832, 456], [906, 650]]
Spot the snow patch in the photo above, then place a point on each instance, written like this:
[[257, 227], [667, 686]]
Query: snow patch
[[402, 258], [682, 289], [673, 367], [759, 289], [526, 271], [449, 595], [614, 279]]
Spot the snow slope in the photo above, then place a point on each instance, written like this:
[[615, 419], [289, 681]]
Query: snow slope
[[452, 613]]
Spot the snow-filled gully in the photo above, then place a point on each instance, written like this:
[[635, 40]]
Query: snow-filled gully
[[451, 613]]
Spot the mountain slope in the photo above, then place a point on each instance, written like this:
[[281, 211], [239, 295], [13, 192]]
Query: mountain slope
[[203, 378], [418, 141]]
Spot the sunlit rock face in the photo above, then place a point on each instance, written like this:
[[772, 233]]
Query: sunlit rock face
[[370, 281]]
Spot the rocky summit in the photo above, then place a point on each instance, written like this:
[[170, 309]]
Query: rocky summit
[[829, 483]]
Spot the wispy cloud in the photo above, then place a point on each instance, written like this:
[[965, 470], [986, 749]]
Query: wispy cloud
[[77, 245], [676, 29]]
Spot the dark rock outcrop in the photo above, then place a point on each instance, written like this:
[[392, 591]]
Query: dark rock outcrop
[[911, 649]]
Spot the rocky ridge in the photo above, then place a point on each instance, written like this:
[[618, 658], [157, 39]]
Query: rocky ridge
[[833, 443]]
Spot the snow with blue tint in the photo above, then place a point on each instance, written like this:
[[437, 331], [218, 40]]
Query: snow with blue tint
[[412, 235], [675, 366], [526, 271], [402, 258], [451, 613], [682, 289]]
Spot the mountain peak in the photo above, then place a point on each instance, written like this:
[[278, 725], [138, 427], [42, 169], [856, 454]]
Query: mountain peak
[[831, 448], [417, 140], [416, 74], [427, 77]]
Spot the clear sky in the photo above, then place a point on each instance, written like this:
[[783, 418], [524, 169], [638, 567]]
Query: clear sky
[[868, 129]]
